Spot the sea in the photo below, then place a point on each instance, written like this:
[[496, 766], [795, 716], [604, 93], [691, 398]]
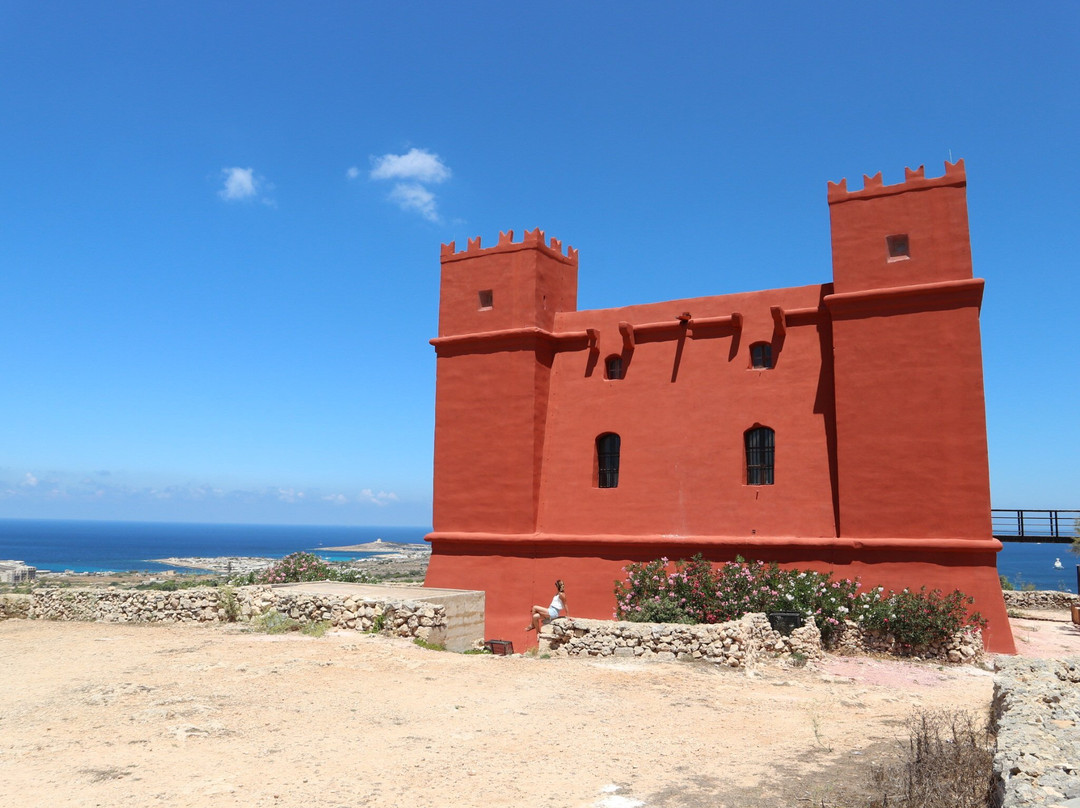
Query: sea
[[1023, 564], [97, 546]]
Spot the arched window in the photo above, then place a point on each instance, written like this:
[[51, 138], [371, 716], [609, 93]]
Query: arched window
[[613, 365], [760, 451], [761, 355], [607, 460]]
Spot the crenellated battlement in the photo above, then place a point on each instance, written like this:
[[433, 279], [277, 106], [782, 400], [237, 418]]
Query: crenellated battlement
[[914, 180], [533, 239]]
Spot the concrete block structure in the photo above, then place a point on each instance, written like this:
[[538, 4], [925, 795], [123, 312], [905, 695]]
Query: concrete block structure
[[837, 426], [16, 572]]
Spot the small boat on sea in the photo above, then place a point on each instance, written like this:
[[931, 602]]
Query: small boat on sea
[[1057, 564]]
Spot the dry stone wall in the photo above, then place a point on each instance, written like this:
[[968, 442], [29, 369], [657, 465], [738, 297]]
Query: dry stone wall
[[402, 618], [736, 644], [14, 606], [1037, 712], [963, 647], [1046, 599]]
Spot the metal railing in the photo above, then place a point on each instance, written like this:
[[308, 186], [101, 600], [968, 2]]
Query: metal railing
[[1031, 525]]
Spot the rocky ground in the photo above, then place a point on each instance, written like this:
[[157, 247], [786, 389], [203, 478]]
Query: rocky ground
[[118, 715]]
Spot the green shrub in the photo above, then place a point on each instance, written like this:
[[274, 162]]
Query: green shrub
[[295, 568], [228, 602], [274, 622], [177, 583], [316, 628], [349, 575], [918, 619], [695, 591], [1006, 584], [301, 568]]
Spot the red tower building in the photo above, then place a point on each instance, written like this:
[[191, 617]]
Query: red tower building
[[836, 427]]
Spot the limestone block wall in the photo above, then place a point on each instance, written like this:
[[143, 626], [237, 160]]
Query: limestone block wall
[[736, 644], [402, 618], [1037, 712], [1046, 599], [963, 647], [14, 606]]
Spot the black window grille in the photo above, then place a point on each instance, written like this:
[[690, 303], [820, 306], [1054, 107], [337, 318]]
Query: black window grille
[[607, 456], [614, 367], [760, 452], [761, 355]]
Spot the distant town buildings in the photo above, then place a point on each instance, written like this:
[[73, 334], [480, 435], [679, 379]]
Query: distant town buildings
[[16, 572]]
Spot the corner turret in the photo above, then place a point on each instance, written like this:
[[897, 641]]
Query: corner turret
[[914, 232], [511, 285]]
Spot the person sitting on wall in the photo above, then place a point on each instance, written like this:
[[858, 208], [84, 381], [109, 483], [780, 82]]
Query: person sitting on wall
[[542, 615]]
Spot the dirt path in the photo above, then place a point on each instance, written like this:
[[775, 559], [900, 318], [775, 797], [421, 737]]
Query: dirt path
[[125, 715]]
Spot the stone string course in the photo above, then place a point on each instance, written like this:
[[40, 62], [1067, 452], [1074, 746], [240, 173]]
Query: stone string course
[[401, 618], [1020, 599], [736, 644], [1037, 712]]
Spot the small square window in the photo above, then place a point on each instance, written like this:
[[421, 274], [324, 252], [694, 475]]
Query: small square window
[[898, 247], [486, 298]]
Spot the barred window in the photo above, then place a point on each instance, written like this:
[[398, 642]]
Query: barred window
[[607, 460], [761, 355], [614, 366], [760, 451]]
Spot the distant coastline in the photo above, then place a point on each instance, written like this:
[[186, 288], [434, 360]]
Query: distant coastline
[[95, 547], [379, 546], [239, 565]]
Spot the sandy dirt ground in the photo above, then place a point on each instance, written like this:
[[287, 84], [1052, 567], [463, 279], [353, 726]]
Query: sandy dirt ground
[[134, 715]]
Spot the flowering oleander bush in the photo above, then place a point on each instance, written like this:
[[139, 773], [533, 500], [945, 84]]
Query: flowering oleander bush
[[296, 568], [302, 567], [918, 619], [695, 591]]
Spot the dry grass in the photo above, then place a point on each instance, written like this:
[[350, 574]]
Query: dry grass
[[947, 762]]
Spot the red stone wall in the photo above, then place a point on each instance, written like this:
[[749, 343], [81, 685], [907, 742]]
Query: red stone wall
[[875, 398]]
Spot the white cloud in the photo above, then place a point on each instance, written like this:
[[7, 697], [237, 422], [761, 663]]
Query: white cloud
[[352, 173], [242, 184], [33, 493], [416, 164], [413, 196], [413, 172], [381, 498]]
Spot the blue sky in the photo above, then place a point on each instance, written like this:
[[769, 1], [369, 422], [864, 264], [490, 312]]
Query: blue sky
[[220, 222]]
